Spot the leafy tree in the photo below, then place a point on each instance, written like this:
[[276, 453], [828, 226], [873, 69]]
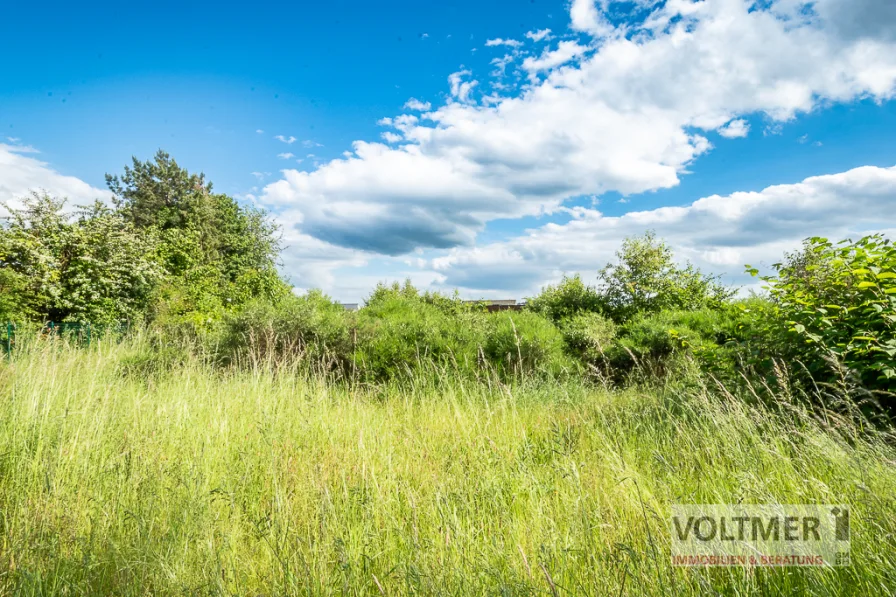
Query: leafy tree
[[217, 254], [647, 280], [162, 194], [94, 266]]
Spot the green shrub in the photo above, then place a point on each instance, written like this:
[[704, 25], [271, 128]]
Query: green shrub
[[588, 336], [839, 301], [400, 331], [524, 342], [723, 341], [311, 327], [568, 298]]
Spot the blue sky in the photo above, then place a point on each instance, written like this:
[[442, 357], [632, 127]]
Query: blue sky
[[528, 154]]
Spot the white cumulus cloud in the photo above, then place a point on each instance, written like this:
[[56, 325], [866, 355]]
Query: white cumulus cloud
[[21, 172], [513, 43], [539, 35], [718, 233], [584, 16], [735, 129], [460, 89], [417, 105], [566, 51], [630, 115]]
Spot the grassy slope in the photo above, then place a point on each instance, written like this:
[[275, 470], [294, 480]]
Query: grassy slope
[[206, 483]]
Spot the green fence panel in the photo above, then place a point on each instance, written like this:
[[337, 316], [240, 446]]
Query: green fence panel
[[84, 333]]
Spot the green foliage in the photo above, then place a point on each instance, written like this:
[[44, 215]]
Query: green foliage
[[16, 302], [163, 195], [736, 337], [524, 342], [217, 254], [568, 298], [92, 267], [588, 336], [384, 293], [310, 327], [170, 251], [840, 302], [401, 331], [647, 280]]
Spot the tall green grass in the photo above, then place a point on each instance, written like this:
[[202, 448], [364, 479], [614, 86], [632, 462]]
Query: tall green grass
[[187, 479]]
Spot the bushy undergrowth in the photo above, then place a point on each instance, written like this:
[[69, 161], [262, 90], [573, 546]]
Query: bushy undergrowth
[[310, 327], [829, 316], [840, 303], [524, 342], [575, 329], [399, 333]]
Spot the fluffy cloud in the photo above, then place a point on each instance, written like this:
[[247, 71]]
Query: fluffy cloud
[[566, 51], [417, 105], [719, 234], [460, 89], [630, 116], [286, 156], [513, 43], [288, 140], [584, 16], [539, 35], [21, 173], [735, 129]]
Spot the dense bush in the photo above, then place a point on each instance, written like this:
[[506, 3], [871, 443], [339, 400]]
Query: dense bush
[[587, 336], [310, 327], [524, 342], [726, 341], [568, 298], [400, 331], [90, 266], [840, 303]]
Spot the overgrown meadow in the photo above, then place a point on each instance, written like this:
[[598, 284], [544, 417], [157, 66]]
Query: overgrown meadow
[[236, 439], [273, 480]]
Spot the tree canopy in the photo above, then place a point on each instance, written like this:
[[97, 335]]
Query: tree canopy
[[166, 247], [646, 279]]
